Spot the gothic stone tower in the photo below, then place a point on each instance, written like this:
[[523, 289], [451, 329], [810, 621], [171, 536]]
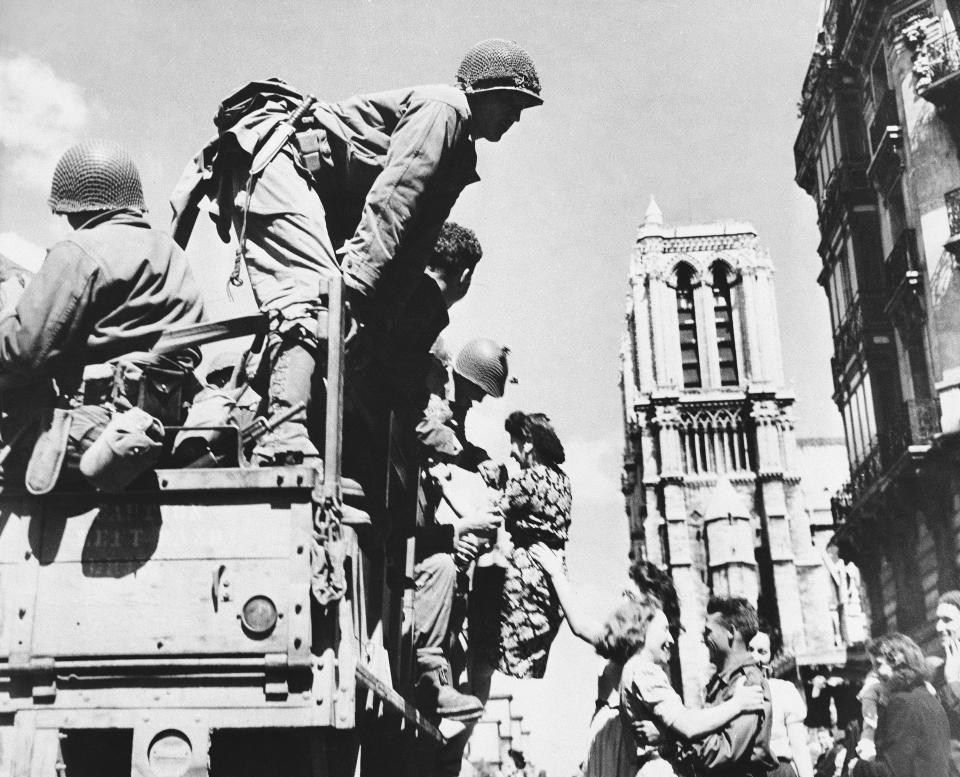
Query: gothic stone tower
[[710, 467]]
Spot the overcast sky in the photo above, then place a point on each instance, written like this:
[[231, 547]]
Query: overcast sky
[[694, 102]]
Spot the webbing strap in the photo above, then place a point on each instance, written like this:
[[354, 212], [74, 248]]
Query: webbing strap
[[209, 332]]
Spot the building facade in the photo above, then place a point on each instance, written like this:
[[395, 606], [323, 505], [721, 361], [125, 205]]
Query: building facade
[[711, 468], [878, 152]]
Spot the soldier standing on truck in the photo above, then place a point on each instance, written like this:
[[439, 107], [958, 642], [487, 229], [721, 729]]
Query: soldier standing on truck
[[359, 187], [99, 295]]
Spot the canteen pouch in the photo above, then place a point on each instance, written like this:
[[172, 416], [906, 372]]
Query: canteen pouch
[[130, 445], [49, 451]]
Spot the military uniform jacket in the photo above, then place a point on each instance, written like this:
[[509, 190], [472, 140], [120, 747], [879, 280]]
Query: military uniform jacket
[[101, 293], [389, 167], [742, 747]]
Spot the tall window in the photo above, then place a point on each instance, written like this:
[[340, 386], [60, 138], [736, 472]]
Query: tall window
[[687, 318], [840, 289], [859, 420], [723, 318]]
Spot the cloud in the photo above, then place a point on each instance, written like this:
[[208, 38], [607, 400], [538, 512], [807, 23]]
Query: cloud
[[42, 115], [20, 250]]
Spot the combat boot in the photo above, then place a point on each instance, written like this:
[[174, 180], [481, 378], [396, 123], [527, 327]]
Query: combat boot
[[290, 383], [435, 695]]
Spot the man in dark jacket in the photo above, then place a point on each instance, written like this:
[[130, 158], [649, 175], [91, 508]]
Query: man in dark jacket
[[742, 747], [104, 292], [946, 674], [363, 190]]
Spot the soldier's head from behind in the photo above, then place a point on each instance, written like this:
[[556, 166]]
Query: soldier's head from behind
[[94, 177], [453, 261], [731, 624], [500, 80], [480, 370]]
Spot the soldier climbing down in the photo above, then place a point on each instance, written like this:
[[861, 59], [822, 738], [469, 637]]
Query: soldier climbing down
[[362, 189]]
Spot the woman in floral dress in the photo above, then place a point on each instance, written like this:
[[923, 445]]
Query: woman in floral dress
[[536, 509]]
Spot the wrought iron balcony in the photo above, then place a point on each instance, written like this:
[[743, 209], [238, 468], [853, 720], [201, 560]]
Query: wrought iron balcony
[[915, 424], [952, 202], [936, 69], [917, 421]]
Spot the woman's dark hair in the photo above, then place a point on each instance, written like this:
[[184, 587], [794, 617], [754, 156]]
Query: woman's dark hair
[[536, 428], [905, 658], [623, 633], [652, 580]]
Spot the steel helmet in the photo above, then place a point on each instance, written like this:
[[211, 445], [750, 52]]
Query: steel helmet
[[96, 175], [484, 363], [499, 64]]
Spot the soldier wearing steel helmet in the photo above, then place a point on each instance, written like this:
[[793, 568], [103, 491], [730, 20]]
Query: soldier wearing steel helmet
[[444, 551], [360, 187], [99, 295]]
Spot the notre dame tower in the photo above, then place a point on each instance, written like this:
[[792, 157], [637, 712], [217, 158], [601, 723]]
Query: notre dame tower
[[711, 465]]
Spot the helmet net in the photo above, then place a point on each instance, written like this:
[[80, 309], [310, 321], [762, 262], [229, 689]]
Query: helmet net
[[484, 363], [95, 175], [496, 63]]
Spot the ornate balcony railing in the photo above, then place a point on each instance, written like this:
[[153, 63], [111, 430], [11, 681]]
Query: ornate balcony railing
[[937, 57], [916, 423], [952, 200]]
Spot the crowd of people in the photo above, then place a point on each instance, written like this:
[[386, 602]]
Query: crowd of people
[[752, 724], [362, 190]]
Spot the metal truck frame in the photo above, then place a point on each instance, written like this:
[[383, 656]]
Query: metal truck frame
[[170, 630]]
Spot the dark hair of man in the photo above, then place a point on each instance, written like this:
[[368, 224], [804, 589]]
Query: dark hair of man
[[650, 579], [735, 613], [905, 658], [536, 429], [456, 248]]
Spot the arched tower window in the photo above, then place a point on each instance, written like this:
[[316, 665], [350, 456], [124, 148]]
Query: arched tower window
[[687, 319], [723, 320]]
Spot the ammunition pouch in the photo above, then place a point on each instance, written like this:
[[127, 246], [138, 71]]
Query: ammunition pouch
[[314, 148], [154, 388], [152, 383]]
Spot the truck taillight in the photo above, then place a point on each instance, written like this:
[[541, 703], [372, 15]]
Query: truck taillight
[[259, 616]]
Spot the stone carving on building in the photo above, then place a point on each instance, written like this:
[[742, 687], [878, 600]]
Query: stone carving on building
[[720, 500]]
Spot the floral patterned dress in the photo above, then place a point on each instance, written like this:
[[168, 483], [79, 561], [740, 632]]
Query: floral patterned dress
[[536, 508]]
